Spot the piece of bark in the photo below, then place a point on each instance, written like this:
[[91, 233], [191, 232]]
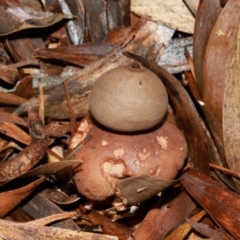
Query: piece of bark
[[171, 13], [170, 210], [215, 198], [22, 231], [80, 55], [173, 58], [118, 14], [79, 87], [150, 41], [76, 27], [206, 16], [39, 206], [96, 19]]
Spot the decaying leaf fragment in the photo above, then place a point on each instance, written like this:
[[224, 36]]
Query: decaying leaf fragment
[[231, 108], [138, 189]]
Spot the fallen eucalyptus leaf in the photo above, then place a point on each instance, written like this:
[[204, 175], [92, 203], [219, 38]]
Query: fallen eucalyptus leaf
[[231, 108], [139, 189], [218, 47]]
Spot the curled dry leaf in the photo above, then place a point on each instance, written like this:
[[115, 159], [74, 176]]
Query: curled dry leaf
[[215, 198], [21, 19], [31, 155], [59, 197], [12, 198]]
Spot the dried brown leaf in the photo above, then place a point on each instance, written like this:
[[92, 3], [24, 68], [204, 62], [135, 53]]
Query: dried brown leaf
[[12, 198], [138, 189]]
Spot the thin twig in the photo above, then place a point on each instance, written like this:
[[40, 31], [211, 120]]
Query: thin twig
[[226, 170]]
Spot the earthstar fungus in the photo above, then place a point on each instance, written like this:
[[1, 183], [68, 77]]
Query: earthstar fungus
[[126, 146]]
